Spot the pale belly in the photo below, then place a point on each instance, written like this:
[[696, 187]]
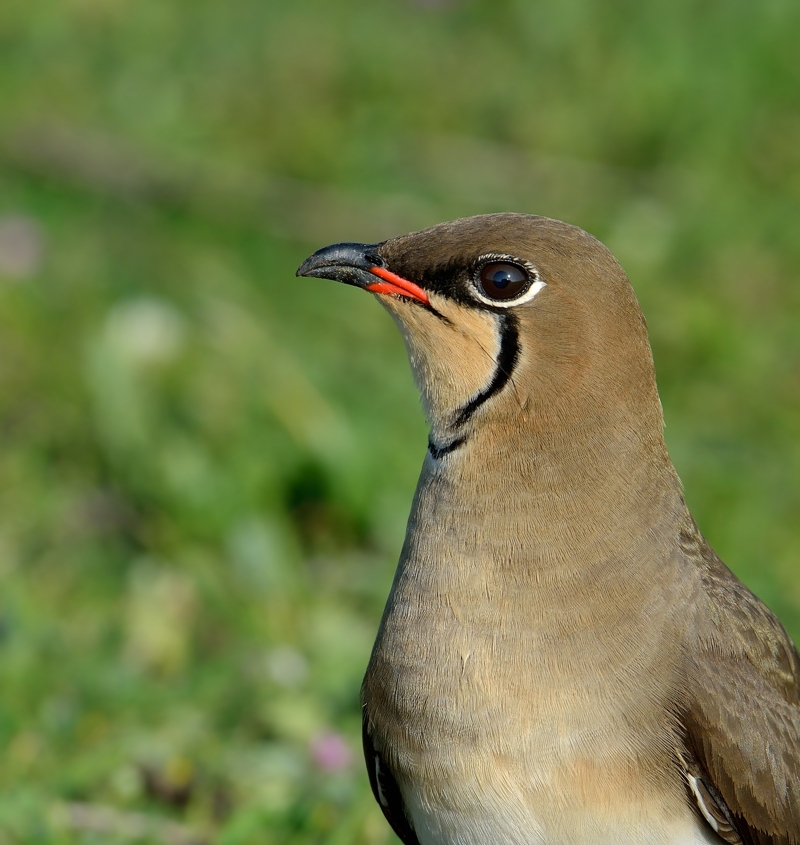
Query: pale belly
[[490, 821], [571, 778]]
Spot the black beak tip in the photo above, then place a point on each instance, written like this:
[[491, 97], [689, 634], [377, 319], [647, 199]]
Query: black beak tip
[[346, 262], [321, 258]]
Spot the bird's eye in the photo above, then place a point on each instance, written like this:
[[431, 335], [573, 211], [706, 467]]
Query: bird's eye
[[500, 280]]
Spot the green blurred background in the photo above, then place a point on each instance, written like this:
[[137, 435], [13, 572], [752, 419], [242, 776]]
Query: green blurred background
[[206, 463]]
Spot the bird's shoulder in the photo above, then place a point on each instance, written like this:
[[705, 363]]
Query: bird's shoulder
[[742, 707]]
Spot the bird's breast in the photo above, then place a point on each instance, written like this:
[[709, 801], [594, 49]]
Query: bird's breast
[[504, 721], [523, 685]]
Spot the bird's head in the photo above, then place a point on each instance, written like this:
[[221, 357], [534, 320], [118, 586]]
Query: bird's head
[[518, 321]]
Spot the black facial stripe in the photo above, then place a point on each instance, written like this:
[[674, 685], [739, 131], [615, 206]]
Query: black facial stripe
[[448, 280], [452, 280], [506, 361], [438, 452]]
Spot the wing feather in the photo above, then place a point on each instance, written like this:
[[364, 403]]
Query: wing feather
[[386, 790], [742, 718]]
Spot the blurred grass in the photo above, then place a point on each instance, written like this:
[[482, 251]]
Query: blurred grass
[[207, 464]]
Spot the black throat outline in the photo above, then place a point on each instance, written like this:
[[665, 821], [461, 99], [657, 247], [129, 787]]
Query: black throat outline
[[507, 359]]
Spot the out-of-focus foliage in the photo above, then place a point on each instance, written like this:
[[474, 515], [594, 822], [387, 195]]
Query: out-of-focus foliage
[[206, 464]]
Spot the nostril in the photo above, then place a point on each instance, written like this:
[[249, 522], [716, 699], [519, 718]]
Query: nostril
[[374, 259]]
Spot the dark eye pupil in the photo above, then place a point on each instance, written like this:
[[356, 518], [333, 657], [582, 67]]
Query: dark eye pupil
[[501, 280]]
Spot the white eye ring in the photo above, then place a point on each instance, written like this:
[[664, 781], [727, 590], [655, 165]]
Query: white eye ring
[[533, 286]]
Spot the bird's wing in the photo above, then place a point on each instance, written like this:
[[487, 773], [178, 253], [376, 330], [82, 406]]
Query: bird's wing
[[742, 722], [386, 790]]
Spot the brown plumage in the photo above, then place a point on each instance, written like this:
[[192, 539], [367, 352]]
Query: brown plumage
[[563, 658]]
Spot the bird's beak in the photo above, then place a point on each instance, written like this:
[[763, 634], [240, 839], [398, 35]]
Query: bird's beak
[[360, 265]]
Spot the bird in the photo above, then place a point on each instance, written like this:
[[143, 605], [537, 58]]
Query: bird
[[563, 659]]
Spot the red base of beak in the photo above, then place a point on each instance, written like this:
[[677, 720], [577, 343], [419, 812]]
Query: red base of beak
[[397, 285]]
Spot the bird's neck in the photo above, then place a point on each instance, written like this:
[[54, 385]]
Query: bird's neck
[[558, 564], [565, 508]]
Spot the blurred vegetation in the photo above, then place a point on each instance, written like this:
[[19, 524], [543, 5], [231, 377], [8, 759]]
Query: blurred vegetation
[[206, 464]]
